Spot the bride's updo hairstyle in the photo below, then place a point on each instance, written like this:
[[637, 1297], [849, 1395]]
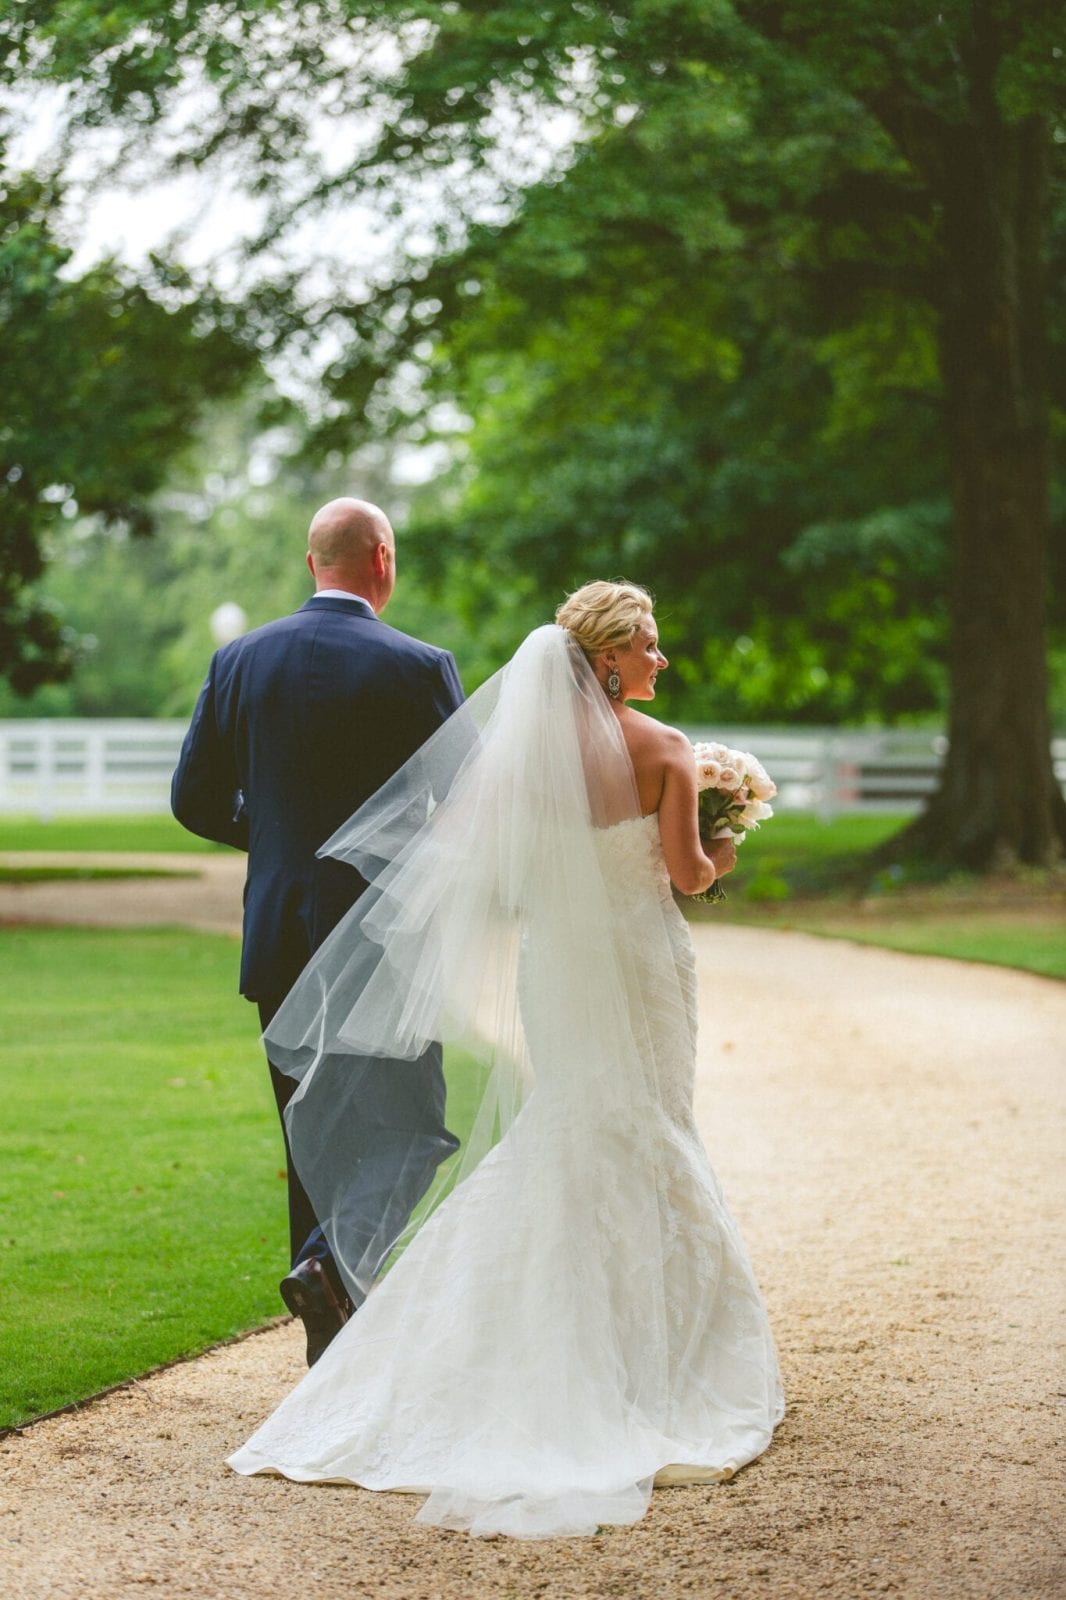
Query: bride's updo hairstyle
[[604, 616]]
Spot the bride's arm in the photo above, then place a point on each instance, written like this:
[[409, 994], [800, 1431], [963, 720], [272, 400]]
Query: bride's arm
[[692, 865]]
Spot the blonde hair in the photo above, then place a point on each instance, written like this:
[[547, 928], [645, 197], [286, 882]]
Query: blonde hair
[[603, 615]]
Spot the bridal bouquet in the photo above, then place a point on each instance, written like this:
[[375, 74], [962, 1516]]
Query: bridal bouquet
[[734, 789]]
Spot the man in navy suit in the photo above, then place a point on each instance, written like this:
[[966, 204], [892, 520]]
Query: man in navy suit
[[298, 723]]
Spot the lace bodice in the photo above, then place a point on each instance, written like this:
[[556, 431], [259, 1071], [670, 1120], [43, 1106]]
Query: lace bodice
[[632, 857]]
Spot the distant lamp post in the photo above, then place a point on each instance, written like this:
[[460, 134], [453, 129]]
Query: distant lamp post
[[228, 622]]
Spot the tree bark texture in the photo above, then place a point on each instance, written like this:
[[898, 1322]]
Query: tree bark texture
[[998, 801]]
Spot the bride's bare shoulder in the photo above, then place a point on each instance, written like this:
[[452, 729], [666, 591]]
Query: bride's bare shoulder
[[661, 757], [652, 738]]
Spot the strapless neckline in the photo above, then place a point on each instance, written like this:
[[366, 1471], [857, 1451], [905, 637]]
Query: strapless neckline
[[630, 822]]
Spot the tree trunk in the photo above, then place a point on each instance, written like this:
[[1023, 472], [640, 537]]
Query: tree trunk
[[998, 802]]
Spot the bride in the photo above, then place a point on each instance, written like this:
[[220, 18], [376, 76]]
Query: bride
[[575, 1318]]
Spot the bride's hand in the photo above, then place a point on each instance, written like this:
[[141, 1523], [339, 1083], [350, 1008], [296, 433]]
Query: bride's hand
[[723, 852]]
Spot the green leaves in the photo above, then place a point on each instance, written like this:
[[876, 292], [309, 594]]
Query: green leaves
[[680, 284], [102, 385]]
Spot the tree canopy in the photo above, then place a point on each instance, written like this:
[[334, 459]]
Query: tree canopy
[[103, 380], [772, 334]]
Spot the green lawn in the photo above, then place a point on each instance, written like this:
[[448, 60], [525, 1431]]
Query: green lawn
[[797, 872], [151, 834], [800, 849], [1031, 940], [143, 1208], [796, 853], [792, 843], [141, 1191]]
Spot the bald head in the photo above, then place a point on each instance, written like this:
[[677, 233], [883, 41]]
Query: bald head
[[350, 545]]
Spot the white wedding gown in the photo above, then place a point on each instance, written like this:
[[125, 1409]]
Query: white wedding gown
[[578, 1319]]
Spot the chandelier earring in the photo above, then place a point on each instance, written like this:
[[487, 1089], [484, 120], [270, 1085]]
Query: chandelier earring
[[614, 683]]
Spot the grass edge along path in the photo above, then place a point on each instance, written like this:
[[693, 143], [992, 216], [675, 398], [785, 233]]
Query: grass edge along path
[[799, 874], [140, 1181], [1025, 943], [141, 1190], [18, 1428]]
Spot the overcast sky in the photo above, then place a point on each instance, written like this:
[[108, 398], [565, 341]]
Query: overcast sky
[[203, 217]]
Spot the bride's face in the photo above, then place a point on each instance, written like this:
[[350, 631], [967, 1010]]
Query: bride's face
[[639, 663]]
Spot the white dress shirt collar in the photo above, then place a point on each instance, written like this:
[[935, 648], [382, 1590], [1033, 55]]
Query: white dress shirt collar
[[340, 594]]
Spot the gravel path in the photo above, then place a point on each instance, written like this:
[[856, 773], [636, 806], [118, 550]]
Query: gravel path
[[890, 1131], [210, 898]]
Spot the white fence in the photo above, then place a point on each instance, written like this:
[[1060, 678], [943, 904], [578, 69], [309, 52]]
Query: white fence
[[57, 767], [61, 767]]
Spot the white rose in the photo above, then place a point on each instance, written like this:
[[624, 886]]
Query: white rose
[[755, 812], [729, 779], [708, 774], [761, 786]]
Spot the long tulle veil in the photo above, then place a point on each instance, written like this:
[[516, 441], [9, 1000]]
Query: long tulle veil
[[485, 885]]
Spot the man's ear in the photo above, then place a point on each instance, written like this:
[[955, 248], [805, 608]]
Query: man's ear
[[381, 560], [310, 564]]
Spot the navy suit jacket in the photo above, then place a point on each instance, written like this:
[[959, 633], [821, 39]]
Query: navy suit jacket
[[298, 723]]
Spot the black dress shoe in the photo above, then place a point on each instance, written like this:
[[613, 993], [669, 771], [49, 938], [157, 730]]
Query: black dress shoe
[[309, 1295]]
